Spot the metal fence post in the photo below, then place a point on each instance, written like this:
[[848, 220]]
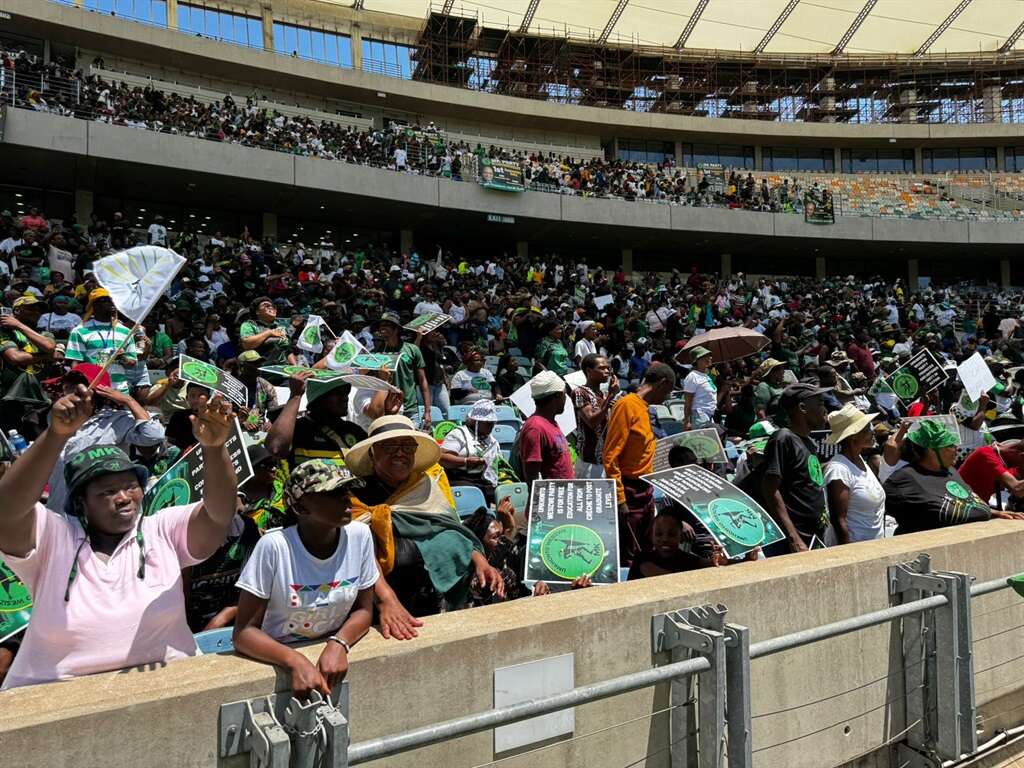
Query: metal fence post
[[937, 663], [737, 698]]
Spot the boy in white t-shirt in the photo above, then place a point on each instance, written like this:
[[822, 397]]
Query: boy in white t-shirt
[[311, 579]]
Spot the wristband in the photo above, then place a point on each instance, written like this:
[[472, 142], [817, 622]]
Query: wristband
[[341, 642]]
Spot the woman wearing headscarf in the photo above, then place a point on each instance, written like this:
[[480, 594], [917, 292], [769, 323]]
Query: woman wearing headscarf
[[105, 579], [928, 493], [428, 556], [856, 501], [468, 452]]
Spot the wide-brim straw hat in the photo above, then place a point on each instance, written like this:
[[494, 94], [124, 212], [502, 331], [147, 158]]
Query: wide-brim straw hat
[[359, 461], [847, 422]]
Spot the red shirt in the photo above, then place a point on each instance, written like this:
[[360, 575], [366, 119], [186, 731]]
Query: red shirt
[[982, 469], [541, 442], [862, 359], [920, 408]]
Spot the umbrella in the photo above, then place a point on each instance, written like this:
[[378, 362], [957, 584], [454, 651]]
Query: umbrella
[[730, 343]]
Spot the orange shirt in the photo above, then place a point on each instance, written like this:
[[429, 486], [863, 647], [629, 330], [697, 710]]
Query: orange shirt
[[628, 442]]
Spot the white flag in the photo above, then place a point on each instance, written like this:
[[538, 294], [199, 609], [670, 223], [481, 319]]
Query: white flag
[[344, 352], [309, 340], [137, 278]]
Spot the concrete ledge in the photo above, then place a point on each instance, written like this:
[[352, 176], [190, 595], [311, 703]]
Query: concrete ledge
[[168, 717]]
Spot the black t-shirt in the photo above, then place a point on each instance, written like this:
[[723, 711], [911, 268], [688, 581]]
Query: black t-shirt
[[212, 582], [921, 500], [794, 460], [320, 438]]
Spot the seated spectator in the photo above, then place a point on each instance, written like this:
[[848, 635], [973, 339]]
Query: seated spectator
[[664, 555], [260, 395], [473, 382], [262, 334], [856, 501], [322, 432], [505, 551], [310, 580], [98, 550], [469, 452], [23, 352], [60, 320]]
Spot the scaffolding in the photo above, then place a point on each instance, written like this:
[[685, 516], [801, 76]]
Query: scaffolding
[[459, 51]]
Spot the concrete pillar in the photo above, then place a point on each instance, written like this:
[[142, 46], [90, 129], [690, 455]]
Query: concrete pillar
[[172, 14], [627, 262], [908, 105], [679, 154], [523, 249], [1004, 273], [748, 96], [1000, 158], [357, 46], [83, 206], [918, 160], [725, 266], [992, 103], [268, 26], [405, 241], [912, 275], [819, 268], [270, 225], [758, 161], [837, 155]]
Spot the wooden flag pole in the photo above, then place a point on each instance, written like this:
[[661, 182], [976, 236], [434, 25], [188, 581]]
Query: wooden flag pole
[[117, 351]]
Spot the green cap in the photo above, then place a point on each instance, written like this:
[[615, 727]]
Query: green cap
[[250, 356], [698, 352], [933, 434], [85, 466], [317, 476], [317, 388]]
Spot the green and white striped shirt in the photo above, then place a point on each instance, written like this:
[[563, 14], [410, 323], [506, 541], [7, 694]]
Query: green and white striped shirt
[[94, 342]]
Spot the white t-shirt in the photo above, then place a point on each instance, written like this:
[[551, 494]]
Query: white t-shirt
[[480, 381], [358, 400], [865, 514], [307, 597], [427, 306], [585, 347], [53, 322], [705, 394], [157, 234]]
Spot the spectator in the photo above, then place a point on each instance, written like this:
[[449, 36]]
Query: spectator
[[410, 368], [856, 501], [592, 409], [262, 334], [101, 340], [469, 452], [989, 469], [323, 432], [541, 448], [700, 395]]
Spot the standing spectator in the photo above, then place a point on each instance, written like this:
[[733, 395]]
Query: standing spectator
[[542, 449], [592, 409], [551, 352], [23, 351], [60, 320], [157, 232], [856, 501], [587, 344], [769, 389], [101, 339], [700, 395], [410, 371]]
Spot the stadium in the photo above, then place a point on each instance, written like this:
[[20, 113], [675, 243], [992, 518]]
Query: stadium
[[518, 206]]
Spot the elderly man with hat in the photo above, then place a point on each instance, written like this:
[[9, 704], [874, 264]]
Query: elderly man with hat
[[103, 341], [24, 351]]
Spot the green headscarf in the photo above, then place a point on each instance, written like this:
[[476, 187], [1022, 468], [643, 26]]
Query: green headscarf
[[934, 436]]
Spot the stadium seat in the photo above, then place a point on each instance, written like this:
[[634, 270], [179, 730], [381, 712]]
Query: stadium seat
[[678, 411], [458, 413], [468, 499], [505, 434], [623, 574], [435, 414], [515, 352], [519, 493], [507, 413], [662, 412], [215, 641], [671, 426]]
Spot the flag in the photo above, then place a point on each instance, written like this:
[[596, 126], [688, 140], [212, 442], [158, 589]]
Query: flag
[[344, 352], [309, 340], [137, 278]]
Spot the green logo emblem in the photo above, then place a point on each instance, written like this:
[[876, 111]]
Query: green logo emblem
[[173, 493], [372, 362], [479, 382], [814, 471], [441, 430], [14, 595], [703, 447], [311, 335], [955, 489], [904, 385], [344, 352], [200, 372], [571, 551], [737, 521]]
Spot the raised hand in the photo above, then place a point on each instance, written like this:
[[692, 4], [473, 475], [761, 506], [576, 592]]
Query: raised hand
[[70, 412], [213, 421]]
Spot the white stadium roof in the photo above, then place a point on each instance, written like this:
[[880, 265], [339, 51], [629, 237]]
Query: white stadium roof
[[769, 26]]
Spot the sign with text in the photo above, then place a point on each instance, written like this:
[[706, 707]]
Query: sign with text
[[976, 376], [210, 376], [502, 175], [705, 444], [427, 322], [921, 374], [734, 519], [15, 603], [573, 531], [183, 482]]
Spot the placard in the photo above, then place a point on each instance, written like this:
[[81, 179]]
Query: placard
[[502, 175], [375, 361], [287, 371], [369, 382], [344, 351], [603, 301], [523, 400], [921, 374], [732, 518], [427, 322], [182, 483], [573, 531], [210, 376], [706, 445], [976, 376], [15, 603]]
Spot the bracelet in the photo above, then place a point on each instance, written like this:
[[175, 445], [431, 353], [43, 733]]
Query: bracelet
[[341, 642]]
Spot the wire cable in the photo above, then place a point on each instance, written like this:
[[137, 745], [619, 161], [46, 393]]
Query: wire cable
[[891, 740], [663, 749], [1000, 664], [997, 634]]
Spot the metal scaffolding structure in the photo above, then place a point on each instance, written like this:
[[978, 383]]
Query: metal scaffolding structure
[[458, 50]]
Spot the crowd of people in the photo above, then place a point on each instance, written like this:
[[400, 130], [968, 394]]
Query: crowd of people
[[61, 89], [349, 520]]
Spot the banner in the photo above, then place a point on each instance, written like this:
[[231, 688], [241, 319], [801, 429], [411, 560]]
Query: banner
[[310, 339], [921, 374], [818, 212], [15, 603], [427, 322], [344, 351], [137, 278], [183, 482], [286, 371], [706, 445], [732, 518], [976, 376], [210, 376], [573, 531], [501, 175]]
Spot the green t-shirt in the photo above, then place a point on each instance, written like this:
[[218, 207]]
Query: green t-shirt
[[410, 360], [162, 344], [766, 396], [554, 356], [274, 350]]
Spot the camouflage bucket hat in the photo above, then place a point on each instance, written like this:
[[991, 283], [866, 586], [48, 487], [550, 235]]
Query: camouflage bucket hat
[[317, 476], [85, 466]]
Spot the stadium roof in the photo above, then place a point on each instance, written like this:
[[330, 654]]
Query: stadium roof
[[770, 26]]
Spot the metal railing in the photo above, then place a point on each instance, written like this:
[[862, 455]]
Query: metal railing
[[933, 611]]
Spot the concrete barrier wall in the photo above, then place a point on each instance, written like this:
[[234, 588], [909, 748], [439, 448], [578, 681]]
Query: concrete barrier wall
[[117, 143], [168, 716]]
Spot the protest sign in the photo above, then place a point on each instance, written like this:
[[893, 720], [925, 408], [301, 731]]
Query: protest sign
[[344, 351], [183, 482], [705, 444], [502, 175], [823, 449], [311, 340], [603, 301], [369, 382], [880, 386], [210, 376], [375, 361], [427, 322], [15, 603], [976, 376], [290, 370], [573, 531], [921, 374], [523, 400], [734, 519], [576, 379]]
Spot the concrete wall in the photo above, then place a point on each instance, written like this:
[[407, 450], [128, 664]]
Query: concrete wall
[[114, 143], [168, 717]]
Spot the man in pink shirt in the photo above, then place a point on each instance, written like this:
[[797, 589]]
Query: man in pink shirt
[[106, 581], [543, 450]]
